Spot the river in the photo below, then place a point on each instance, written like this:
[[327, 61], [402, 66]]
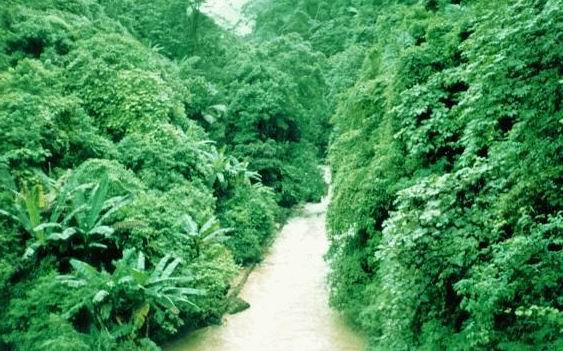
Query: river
[[287, 292], [289, 299]]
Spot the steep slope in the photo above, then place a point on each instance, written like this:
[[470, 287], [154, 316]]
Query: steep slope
[[446, 220]]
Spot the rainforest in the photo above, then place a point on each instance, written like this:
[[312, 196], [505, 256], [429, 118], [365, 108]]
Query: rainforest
[[153, 152]]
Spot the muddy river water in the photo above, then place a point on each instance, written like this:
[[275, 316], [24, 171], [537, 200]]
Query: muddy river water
[[289, 299]]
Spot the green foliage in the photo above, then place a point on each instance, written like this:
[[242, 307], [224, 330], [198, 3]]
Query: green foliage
[[267, 126], [39, 124], [70, 214], [330, 27], [153, 220], [251, 212], [121, 180], [445, 218], [213, 271], [130, 291], [124, 91], [186, 30], [306, 68], [227, 172], [91, 207], [94, 100], [34, 318], [38, 213], [167, 155], [199, 236], [258, 102]]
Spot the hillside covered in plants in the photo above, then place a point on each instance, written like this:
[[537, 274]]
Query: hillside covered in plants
[[446, 222], [147, 155]]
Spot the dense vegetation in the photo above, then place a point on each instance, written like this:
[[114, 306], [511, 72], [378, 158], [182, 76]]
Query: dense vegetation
[[447, 216], [146, 154]]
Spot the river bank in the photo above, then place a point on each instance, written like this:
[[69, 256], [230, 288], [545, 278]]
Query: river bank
[[288, 295]]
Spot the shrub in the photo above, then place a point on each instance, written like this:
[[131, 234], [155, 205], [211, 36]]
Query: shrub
[[167, 155], [250, 212]]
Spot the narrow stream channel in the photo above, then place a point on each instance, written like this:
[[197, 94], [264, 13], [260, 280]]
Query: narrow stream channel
[[288, 291], [289, 299]]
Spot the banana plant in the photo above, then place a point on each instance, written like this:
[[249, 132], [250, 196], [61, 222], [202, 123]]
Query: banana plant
[[91, 209], [38, 211], [65, 211], [146, 291], [225, 168], [27, 210], [201, 236]]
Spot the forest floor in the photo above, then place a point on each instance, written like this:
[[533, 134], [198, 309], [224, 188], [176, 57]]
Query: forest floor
[[289, 299]]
